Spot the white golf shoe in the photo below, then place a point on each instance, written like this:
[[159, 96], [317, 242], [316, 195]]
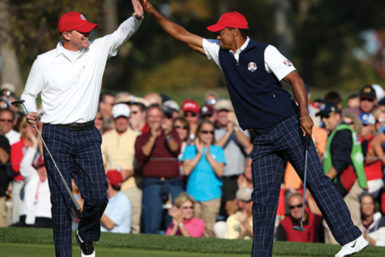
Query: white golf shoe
[[353, 247]]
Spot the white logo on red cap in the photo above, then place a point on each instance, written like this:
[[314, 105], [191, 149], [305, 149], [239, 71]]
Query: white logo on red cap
[[82, 17], [252, 66]]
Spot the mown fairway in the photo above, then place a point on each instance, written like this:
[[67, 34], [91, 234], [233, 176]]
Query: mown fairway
[[15, 242]]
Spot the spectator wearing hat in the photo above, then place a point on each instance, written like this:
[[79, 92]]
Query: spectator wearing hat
[[312, 222], [253, 73], [157, 152], [36, 210], [368, 100], [343, 162], [173, 108], [116, 217], [69, 79], [238, 225], [236, 144], [190, 110], [207, 111], [118, 150]]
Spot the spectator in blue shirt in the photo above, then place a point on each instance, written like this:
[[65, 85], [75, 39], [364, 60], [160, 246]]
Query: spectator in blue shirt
[[117, 216], [204, 163]]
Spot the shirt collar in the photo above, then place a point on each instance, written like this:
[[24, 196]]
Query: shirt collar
[[243, 47], [60, 50]]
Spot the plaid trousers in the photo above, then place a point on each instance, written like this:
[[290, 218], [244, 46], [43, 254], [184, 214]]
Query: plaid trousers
[[273, 147], [78, 155]]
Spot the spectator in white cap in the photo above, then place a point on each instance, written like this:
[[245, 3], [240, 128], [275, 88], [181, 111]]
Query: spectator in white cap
[[118, 154], [379, 91], [240, 224], [372, 166]]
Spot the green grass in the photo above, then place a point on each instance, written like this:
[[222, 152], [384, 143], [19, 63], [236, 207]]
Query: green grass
[[30, 242]]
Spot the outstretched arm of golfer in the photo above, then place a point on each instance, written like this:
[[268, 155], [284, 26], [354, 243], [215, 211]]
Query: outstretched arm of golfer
[[300, 94], [195, 42]]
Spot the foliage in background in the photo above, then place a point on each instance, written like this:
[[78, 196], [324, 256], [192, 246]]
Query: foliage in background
[[325, 34]]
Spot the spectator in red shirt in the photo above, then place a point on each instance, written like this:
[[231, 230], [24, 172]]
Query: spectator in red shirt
[[312, 222], [157, 152]]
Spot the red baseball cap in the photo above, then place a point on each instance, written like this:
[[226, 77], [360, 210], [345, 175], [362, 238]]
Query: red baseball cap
[[190, 106], [75, 21], [231, 20], [114, 177]]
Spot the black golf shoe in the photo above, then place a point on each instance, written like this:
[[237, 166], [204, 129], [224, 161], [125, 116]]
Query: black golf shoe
[[86, 248]]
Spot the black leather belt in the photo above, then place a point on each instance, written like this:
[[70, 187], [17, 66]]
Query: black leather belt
[[78, 126]]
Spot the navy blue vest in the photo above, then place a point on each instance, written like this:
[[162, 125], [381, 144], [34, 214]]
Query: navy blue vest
[[258, 97]]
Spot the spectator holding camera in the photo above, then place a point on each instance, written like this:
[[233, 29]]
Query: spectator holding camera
[[157, 152]]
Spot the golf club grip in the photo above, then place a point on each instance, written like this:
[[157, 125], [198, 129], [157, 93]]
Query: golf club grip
[[17, 102], [307, 141]]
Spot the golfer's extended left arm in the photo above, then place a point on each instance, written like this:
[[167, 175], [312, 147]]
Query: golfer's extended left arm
[[300, 94], [195, 42]]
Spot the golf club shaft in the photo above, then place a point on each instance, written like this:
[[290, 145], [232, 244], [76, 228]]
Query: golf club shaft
[[307, 139], [21, 102]]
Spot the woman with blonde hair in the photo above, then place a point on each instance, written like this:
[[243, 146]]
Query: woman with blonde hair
[[183, 221]]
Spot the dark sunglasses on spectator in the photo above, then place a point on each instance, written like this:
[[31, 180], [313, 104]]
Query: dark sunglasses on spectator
[[349, 123], [189, 114], [367, 99], [3, 120], [187, 207], [295, 206], [207, 132], [180, 127]]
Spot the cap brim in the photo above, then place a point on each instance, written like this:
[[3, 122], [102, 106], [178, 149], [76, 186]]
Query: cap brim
[[215, 28], [86, 27]]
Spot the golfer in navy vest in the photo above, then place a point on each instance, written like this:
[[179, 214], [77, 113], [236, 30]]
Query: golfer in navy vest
[[69, 79], [253, 72]]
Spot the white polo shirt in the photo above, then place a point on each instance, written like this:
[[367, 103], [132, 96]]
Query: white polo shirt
[[70, 81], [274, 60]]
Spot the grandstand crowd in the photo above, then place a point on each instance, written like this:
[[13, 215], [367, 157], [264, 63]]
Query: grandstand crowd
[[184, 169]]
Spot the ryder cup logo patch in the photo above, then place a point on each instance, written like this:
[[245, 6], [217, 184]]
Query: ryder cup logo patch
[[252, 66], [82, 17], [287, 63]]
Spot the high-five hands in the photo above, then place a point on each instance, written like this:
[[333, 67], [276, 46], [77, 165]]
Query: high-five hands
[[138, 9]]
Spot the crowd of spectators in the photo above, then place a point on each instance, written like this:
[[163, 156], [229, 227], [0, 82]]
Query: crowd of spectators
[[184, 169]]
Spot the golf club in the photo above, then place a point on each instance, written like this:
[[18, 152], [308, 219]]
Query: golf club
[[21, 103], [301, 228]]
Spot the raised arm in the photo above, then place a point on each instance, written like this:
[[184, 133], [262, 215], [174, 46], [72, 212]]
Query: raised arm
[[195, 42]]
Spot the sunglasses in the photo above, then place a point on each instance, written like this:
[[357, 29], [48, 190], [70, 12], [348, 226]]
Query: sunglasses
[[3, 120], [295, 206], [180, 127], [187, 207], [207, 132], [189, 114]]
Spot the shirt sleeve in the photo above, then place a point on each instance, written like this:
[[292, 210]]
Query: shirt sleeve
[[220, 155], [26, 168], [33, 86], [211, 48], [189, 153], [277, 63], [123, 33]]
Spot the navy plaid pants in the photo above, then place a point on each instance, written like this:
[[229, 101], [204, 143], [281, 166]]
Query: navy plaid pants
[[78, 155], [273, 147]]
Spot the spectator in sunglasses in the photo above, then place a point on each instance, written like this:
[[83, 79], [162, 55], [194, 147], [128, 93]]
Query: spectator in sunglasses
[[190, 110], [203, 163], [183, 221], [312, 222]]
